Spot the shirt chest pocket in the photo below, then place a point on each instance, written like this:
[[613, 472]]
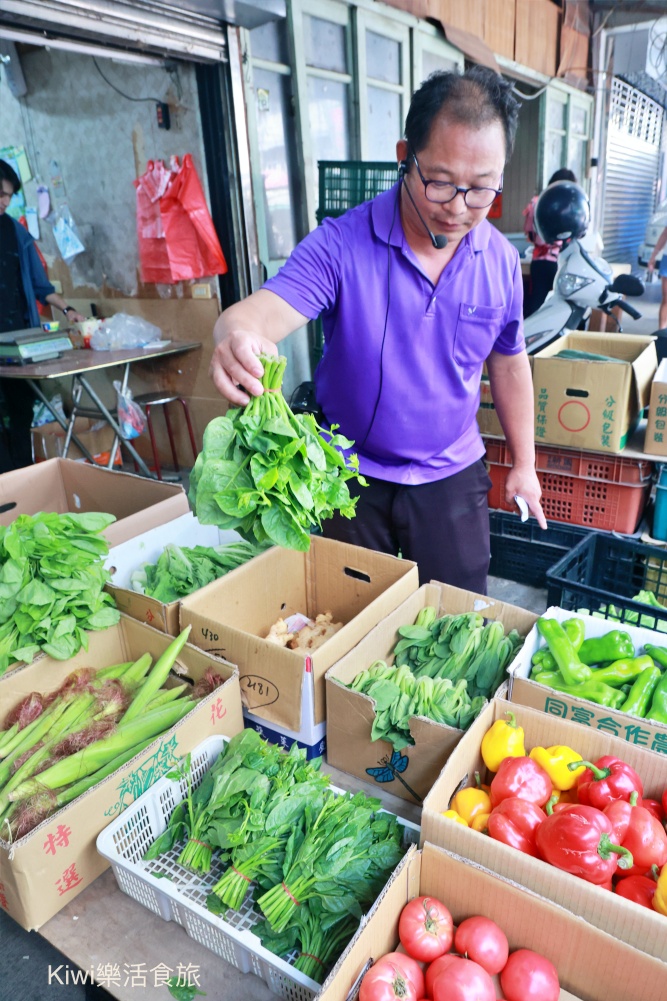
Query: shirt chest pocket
[[477, 330]]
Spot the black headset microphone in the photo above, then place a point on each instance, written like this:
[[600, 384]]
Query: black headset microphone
[[439, 240]]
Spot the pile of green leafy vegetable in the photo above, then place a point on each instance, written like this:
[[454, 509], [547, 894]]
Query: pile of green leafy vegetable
[[270, 474], [444, 669], [180, 570], [52, 579], [316, 859]]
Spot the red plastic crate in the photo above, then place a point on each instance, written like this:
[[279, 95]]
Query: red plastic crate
[[608, 492]]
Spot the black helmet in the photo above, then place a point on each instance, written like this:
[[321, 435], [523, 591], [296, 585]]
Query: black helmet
[[562, 212]]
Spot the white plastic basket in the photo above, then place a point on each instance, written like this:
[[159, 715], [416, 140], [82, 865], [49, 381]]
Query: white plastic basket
[[176, 894]]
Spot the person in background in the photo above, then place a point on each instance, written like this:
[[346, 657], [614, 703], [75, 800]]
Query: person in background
[[544, 262], [22, 281], [662, 271], [417, 290]]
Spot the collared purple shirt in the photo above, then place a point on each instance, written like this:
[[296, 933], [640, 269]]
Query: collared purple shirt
[[358, 269]]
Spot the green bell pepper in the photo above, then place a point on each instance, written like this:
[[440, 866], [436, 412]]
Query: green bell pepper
[[641, 693], [594, 691], [565, 655], [620, 671], [658, 710], [658, 653], [614, 645]]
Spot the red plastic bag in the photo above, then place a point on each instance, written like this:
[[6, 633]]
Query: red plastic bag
[[153, 256], [177, 239], [192, 243]]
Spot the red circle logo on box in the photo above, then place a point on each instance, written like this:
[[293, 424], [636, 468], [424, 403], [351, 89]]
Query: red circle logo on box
[[574, 416]]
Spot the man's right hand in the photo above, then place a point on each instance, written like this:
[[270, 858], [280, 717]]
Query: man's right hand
[[235, 366]]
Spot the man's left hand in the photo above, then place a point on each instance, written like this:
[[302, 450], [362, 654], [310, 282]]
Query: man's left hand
[[525, 483]]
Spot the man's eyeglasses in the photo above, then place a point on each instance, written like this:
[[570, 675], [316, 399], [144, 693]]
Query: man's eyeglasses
[[443, 192]]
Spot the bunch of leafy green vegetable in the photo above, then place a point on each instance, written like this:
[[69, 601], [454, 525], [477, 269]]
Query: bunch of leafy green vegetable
[[270, 474], [52, 579], [317, 858], [444, 669], [180, 570]]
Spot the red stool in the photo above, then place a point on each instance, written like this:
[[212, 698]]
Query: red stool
[[150, 400]]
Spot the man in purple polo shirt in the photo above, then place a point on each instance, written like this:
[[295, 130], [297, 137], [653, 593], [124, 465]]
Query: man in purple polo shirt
[[416, 291]]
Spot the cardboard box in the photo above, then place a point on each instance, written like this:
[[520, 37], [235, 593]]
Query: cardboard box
[[592, 404], [627, 922], [232, 616], [124, 559], [655, 440], [350, 714], [634, 729], [51, 865], [48, 441], [590, 963], [487, 418], [62, 485]]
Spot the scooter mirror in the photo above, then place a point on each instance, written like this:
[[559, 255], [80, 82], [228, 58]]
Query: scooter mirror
[[627, 285]]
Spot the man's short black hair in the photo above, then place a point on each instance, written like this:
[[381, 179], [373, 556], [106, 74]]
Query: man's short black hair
[[8, 173], [476, 98]]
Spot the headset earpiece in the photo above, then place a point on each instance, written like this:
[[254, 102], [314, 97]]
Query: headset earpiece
[[402, 168]]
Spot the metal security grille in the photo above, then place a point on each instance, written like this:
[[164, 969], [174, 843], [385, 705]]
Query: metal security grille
[[631, 170]]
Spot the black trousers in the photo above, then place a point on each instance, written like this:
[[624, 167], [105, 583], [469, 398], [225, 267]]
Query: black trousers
[[15, 442], [542, 274], [443, 526]]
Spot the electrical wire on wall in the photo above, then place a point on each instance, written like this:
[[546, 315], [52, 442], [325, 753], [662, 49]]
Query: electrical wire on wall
[[128, 97]]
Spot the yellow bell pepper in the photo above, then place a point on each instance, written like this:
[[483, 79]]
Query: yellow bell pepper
[[502, 740], [554, 760], [470, 801], [453, 815], [660, 895], [479, 822]]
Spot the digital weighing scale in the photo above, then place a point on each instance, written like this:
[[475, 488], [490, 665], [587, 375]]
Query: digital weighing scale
[[23, 347]]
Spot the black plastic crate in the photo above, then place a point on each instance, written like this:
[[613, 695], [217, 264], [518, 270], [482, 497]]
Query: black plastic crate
[[603, 573], [523, 552], [343, 184]]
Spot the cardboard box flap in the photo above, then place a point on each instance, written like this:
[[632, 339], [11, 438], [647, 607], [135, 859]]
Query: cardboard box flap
[[63, 485]]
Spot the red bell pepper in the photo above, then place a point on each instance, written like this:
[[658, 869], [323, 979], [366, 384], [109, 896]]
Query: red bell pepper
[[635, 828], [520, 778], [514, 822], [606, 780], [653, 806], [638, 888], [664, 802], [578, 841]]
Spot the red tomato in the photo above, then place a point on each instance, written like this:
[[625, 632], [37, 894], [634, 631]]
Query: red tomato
[[463, 980], [529, 977], [426, 929], [436, 967], [393, 976], [481, 940]]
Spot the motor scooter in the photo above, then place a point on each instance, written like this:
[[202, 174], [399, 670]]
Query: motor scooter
[[582, 283]]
